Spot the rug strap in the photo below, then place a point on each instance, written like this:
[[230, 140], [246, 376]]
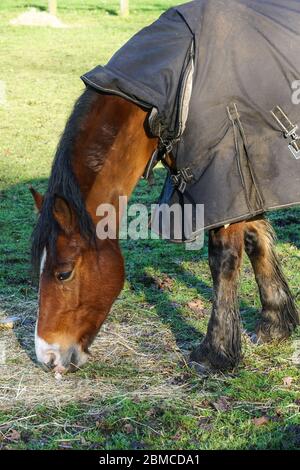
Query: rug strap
[[242, 149]]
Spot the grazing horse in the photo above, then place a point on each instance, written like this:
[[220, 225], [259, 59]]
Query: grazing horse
[[101, 156], [185, 83]]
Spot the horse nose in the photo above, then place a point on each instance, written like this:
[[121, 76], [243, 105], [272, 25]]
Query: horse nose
[[48, 354], [53, 360], [52, 356], [57, 361]]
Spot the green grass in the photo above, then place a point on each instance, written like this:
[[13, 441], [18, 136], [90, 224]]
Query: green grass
[[137, 391]]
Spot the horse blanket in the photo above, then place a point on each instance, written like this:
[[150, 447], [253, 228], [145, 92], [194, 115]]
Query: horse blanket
[[211, 72]]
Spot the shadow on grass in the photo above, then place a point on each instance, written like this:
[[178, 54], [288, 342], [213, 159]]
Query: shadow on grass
[[171, 315], [37, 6], [71, 6], [17, 285], [91, 6], [286, 223]]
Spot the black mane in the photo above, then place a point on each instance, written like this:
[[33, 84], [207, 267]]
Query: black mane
[[63, 183]]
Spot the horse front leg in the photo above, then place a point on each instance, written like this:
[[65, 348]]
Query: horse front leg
[[279, 316], [221, 348]]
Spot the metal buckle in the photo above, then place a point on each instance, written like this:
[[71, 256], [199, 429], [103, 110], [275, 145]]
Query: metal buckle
[[289, 130], [182, 178], [295, 148], [168, 147]]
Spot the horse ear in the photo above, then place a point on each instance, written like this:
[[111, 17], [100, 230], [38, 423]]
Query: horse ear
[[38, 198], [64, 215]]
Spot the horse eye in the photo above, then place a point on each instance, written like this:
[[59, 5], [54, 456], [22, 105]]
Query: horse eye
[[63, 276]]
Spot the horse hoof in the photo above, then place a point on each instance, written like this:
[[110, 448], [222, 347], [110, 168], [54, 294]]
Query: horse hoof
[[200, 355], [212, 360], [267, 333], [201, 369]]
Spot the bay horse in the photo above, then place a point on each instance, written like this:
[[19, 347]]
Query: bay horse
[[102, 154]]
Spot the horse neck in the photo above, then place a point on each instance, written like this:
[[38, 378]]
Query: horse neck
[[111, 152]]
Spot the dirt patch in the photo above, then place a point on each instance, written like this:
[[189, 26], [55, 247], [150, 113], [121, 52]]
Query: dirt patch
[[34, 17]]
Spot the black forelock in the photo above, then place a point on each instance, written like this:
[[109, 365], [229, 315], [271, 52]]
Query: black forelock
[[63, 183]]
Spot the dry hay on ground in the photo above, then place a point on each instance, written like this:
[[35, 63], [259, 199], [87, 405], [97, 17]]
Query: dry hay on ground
[[128, 359]]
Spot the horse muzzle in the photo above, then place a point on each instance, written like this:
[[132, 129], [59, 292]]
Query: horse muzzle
[[52, 356]]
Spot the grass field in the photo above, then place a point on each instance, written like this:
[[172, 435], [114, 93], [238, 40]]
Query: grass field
[[137, 391]]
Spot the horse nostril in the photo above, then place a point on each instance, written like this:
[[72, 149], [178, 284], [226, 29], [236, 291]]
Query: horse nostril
[[73, 361], [50, 364]]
